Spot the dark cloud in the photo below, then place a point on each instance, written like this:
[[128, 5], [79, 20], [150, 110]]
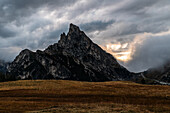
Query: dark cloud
[[15, 10], [6, 32], [127, 29], [96, 25], [136, 6]]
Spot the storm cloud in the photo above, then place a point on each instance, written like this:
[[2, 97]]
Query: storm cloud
[[35, 24]]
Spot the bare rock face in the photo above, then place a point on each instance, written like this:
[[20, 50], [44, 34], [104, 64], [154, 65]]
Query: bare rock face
[[74, 57]]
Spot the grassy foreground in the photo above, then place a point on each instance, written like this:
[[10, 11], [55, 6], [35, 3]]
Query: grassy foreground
[[72, 96]]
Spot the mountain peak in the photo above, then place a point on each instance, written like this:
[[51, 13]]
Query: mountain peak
[[74, 29], [74, 57], [74, 37]]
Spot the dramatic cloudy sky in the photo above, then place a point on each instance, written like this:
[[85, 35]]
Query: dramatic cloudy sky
[[136, 32]]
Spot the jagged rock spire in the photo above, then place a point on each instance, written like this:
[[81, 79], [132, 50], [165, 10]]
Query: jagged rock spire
[[74, 28], [74, 32]]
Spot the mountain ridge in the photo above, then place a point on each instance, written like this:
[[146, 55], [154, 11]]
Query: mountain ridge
[[74, 57]]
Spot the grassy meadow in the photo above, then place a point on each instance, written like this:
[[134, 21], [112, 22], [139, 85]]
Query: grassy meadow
[[82, 97]]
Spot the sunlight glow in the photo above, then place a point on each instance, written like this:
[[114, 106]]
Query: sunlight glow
[[123, 58], [119, 51], [123, 53], [125, 45], [113, 46]]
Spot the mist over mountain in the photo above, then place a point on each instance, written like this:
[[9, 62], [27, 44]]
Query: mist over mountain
[[152, 52], [160, 73], [3, 66]]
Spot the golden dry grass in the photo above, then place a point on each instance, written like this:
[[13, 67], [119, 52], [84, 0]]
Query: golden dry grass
[[81, 97]]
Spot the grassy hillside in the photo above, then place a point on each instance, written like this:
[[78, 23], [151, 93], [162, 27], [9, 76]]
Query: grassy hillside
[[73, 96]]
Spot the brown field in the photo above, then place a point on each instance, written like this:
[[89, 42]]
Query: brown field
[[81, 97]]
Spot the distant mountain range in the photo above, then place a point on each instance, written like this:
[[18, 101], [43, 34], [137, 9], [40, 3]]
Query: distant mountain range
[[76, 57]]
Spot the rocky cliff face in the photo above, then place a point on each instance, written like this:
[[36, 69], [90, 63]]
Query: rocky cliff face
[[74, 57]]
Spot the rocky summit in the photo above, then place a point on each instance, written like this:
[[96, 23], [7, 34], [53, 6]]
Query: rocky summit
[[74, 57]]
